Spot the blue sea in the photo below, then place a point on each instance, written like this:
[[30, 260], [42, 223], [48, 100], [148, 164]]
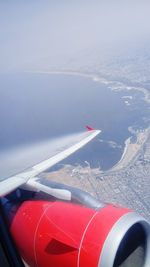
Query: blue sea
[[34, 107]]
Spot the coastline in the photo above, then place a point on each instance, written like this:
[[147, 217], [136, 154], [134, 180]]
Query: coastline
[[131, 150], [72, 73], [113, 85]]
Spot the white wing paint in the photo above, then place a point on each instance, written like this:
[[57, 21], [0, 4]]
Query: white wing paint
[[25, 177]]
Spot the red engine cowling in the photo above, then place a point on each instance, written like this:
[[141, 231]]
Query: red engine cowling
[[60, 234]]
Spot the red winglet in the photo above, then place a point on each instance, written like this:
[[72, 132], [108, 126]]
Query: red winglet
[[89, 128]]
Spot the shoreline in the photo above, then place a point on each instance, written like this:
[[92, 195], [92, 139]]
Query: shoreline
[[131, 149], [70, 73], [113, 85]]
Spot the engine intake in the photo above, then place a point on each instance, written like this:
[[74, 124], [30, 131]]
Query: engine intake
[[128, 243], [63, 234]]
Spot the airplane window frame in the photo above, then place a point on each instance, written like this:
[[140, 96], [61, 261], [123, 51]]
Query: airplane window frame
[[8, 252]]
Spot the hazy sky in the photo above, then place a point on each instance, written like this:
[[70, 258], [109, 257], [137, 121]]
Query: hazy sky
[[42, 35], [36, 34]]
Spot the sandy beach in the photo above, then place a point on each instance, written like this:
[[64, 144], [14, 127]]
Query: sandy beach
[[131, 150]]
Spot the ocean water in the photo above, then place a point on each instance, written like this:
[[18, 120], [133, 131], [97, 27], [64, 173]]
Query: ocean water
[[34, 107]]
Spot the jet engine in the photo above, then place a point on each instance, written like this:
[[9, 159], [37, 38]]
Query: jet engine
[[64, 234]]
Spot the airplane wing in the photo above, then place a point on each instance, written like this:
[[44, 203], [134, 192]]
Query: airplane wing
[[38, 159]]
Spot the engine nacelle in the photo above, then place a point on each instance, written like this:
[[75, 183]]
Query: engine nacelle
[[63, 234]]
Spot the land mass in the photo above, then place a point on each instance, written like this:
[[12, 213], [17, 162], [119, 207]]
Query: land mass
[[128, 186]]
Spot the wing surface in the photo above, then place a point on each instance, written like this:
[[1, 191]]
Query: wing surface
[[31, 161]]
